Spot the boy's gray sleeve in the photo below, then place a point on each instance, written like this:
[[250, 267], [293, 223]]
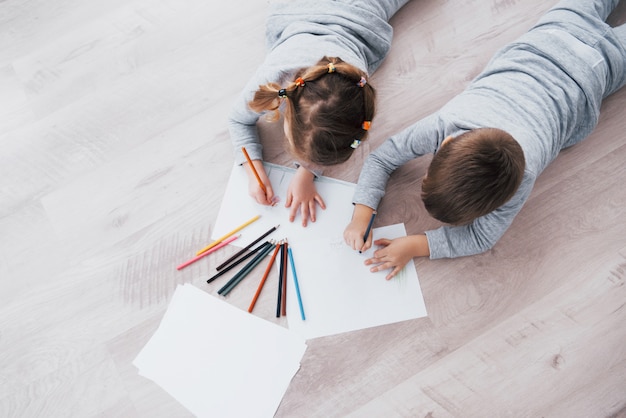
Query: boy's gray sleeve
[[418, 139], [483, 233]]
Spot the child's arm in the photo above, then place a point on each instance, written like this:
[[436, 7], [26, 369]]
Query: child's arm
[[254, 188], [396, 253], [303, 195]]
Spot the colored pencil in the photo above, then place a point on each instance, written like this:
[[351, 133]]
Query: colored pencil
[[295, 282], [217, 247], [281, 267], [256, 174], [283, 302], [262, 283], [233, 232], [243, 250], [237, 278], [369, 228], [236, 263]]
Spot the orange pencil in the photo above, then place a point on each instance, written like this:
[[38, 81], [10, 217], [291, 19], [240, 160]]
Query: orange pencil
[[267, 272], [253, 169]]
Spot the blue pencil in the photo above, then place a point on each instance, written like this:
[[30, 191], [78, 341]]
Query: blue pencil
[[295, 281], [369, 228]]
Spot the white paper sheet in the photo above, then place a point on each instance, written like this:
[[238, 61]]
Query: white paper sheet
[[340, 294], [238, 207], [219, 361]]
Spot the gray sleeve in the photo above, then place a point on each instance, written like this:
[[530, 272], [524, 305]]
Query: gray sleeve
[[418, 139], [242, 121], [482, 234], [242, 129]]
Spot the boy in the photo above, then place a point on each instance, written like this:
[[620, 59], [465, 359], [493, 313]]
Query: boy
[[538, 95]]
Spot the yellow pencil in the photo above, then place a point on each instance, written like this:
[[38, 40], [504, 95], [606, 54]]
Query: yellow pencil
[[256, 174], [222, 238]]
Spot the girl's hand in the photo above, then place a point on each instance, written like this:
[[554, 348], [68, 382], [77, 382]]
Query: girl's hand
[[396, 253], [353, 234], [254, 188], [302, 194]]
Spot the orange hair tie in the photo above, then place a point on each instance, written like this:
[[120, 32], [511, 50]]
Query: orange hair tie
[[366, 125], [299, 82]]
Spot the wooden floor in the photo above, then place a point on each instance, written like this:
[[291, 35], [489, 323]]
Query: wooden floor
[[114, 155]]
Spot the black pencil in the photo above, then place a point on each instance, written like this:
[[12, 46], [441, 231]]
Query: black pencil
[[284, 289], [237, 278], [369, 228], [281, 267], [243, 250], [241, 260]]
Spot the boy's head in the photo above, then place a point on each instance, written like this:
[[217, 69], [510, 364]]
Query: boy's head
[[329, 108], [472, 175]]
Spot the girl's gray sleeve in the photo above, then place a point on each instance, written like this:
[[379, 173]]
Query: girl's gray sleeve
[[242, 123], [483, 233], [418, 139]]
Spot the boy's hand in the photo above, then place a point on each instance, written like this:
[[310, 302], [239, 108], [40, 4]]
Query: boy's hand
[[397, 252], [302, 194], [353, 234], [254, 188]]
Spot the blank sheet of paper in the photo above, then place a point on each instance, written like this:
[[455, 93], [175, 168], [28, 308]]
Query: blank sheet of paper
[[219, 361], [340, 294], [238, 207]]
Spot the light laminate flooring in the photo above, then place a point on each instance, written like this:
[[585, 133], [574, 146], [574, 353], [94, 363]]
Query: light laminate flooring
[[114, 156]]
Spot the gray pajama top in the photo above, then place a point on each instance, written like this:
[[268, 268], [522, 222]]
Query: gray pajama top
[[545, 89], [299, 33]]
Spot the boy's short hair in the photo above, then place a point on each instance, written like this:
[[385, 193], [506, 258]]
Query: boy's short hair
[[472, 175]]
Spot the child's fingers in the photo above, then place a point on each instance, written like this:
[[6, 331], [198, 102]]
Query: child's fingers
[[312, 210], [289, 200], [292, 211], [382, 242], [393, 273], [304, 209], [270, 197], [320, 201]]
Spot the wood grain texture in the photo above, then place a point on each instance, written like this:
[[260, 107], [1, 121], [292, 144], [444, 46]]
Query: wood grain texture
[[115, 154]]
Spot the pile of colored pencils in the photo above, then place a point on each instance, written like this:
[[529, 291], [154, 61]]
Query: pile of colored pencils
[[280, 250]]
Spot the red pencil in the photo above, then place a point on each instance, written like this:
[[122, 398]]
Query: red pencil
[[267, 272], [213, 249]]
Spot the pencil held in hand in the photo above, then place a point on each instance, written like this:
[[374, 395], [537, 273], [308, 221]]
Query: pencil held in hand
[[256, 174], [368, 229]]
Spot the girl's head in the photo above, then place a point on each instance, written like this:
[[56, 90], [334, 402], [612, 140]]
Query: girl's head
[[328, 110]]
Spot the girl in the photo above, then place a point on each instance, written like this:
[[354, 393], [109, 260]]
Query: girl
[[320, 56]]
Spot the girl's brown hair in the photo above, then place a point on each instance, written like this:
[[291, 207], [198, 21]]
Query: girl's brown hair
[[328, 107], [472, 175]]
